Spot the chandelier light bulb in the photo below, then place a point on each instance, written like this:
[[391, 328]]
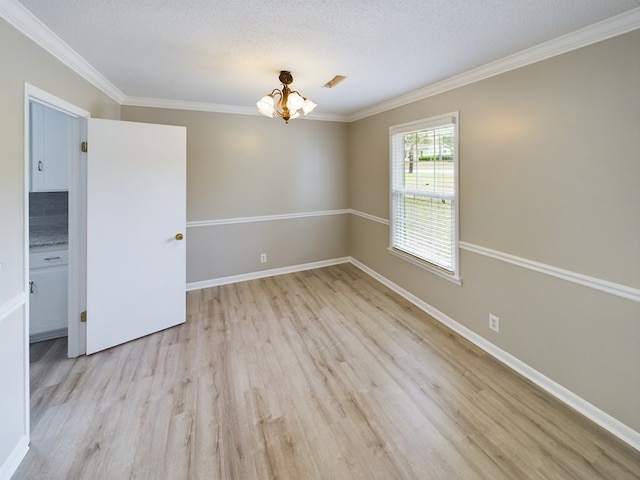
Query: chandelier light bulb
[[294, 102], [266, 106], [289, 104], [308, 106]]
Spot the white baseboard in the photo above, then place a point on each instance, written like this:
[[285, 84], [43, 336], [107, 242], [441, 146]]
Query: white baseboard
[[264, 273], [50, 335], [593, 413], [11, 464], [606, 421]]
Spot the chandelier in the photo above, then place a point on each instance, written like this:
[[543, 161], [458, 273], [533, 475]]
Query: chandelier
[[290, 103]]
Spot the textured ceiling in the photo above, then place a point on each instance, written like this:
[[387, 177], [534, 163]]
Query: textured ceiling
[[230, 53]]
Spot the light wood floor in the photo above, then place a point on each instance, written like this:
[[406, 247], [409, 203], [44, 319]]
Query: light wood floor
[[324, 374]]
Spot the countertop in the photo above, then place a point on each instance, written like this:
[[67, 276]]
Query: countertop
[[48, 239]]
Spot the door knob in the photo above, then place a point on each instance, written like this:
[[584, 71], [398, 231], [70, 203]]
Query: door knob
[[179, 236]]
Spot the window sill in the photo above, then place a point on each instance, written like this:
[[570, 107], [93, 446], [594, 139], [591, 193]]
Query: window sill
[[453, 278]]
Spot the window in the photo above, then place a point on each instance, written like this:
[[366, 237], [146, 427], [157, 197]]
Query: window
[[424, 193]]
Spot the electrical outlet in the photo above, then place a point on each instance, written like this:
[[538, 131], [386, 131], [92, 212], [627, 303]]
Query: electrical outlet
[[494, 323], [263, 258]]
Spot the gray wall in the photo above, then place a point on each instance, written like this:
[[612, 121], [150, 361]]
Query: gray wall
[[22, 61], [549, 171], [241, 167]]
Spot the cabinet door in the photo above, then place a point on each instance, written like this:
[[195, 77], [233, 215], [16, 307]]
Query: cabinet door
[[48, 302], [52, 140]]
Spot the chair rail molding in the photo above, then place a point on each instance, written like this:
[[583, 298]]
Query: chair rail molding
[[12, 305], [612, 288], [606, 286], [264, 218]]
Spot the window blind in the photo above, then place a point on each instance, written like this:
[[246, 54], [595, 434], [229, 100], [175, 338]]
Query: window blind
[[423, 197]]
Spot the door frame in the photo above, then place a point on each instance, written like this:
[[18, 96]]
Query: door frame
[[77, 215]]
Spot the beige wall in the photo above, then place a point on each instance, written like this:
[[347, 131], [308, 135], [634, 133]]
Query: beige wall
[[22, 61], [241, 166], [549, 171]]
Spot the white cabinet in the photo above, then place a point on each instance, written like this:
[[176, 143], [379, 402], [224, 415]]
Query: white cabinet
[[51, 141], [48, 294]]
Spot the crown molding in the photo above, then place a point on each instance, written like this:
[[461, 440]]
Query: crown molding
[[216, 108], [609, 28], [24, 21], [186, 105], [16, 15]]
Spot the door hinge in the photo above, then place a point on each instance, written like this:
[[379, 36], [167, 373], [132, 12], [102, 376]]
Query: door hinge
[[84, 147], [83, 316]]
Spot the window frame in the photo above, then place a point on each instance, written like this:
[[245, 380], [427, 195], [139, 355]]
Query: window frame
[[418, 125]]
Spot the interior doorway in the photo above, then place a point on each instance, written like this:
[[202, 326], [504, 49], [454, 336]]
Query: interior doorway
[[56, 260], [126, 235]]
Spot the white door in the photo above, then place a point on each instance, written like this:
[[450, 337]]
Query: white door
[[136, 214]]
